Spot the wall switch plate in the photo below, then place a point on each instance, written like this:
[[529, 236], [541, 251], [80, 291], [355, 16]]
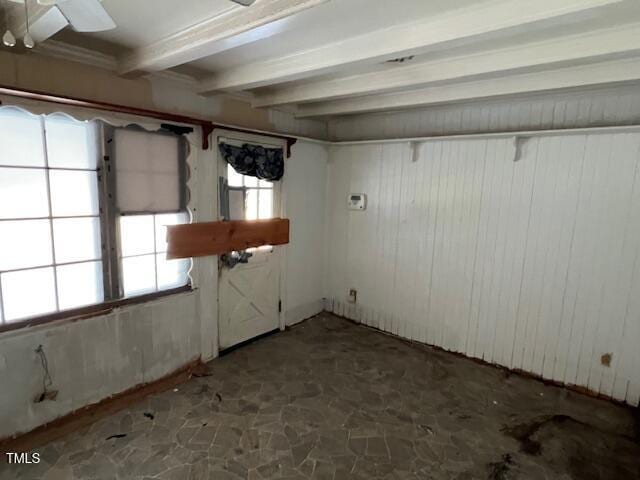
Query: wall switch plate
[[357, 201], [353, 296]]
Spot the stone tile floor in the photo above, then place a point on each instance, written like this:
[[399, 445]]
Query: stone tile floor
[[332, 400]]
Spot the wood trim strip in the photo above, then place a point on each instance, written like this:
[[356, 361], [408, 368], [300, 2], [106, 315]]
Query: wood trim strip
[[206, 125], [85, 416], [215, 238]]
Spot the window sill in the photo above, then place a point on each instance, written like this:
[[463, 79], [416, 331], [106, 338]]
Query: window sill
[[92, 310]]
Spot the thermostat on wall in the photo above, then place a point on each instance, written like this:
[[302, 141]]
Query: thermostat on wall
[[357, 201]]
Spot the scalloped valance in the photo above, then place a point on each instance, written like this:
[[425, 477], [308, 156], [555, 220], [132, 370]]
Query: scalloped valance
[[254, 160]]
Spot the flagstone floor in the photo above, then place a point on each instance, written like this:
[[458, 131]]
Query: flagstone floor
[[329, 399]]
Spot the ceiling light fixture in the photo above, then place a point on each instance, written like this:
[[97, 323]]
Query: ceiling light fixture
[[27, 40], [8, 39]]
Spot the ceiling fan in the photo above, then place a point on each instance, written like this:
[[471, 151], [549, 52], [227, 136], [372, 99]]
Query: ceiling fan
[[53, 15]]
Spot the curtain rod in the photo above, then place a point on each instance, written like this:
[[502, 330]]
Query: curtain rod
[[238, 140], [206, 125]]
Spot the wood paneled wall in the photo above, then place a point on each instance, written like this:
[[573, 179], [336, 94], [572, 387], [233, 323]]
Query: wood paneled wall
[[521, 254], [614, 105]]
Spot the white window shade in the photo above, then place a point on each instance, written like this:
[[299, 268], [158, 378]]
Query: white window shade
[[149, 172]]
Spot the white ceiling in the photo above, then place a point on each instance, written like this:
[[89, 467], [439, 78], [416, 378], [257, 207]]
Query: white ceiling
[[141, 22], [333, 21], [329, 57], [619, 17]]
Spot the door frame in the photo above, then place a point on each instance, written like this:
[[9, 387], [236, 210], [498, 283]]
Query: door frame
[[280, 250]]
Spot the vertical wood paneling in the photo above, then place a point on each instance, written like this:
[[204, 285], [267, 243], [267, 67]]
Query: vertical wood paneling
[[286, 122], [618, 105], [525, 255], [304, 191]]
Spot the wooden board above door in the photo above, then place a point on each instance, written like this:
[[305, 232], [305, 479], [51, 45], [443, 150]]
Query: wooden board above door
[[215, 238]]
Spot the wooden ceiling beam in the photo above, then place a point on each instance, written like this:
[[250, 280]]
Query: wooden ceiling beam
[[595, 74], [455, 28], [558, 52], [236, 27]]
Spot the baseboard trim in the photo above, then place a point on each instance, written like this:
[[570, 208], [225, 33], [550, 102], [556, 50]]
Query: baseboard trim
[[516, 371], [85, 416], [302, 312]]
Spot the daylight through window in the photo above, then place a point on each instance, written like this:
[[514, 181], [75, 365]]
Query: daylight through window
[[53, 226]]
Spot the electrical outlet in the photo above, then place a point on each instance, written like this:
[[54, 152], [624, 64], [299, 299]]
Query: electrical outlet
[[357, 201], [353, 295]]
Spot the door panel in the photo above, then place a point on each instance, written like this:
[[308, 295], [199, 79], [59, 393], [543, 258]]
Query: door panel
[[249, 293], [248, 300]]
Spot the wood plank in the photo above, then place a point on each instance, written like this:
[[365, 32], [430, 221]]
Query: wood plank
[[215, 238]]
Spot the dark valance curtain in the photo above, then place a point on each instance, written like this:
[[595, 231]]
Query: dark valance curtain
[[254, 160]]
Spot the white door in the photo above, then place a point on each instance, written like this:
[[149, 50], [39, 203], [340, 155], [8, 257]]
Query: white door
[[249, 293]]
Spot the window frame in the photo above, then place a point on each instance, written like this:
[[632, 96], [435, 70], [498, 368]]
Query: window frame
[[108, 216], [246, 189], [112, 213], [154, 253], [49, 170]]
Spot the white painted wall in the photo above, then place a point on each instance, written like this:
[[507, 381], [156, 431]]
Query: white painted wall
[[619, 105], [96, 358], [92, 359], [305, 191], [532, 264]]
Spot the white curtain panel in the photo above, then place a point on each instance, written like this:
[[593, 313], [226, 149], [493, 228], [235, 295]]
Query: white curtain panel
[[147, 172], [115, 119]]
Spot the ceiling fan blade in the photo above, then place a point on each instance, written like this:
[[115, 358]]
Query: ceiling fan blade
[[86, 15], [244, 3], [47, 25], [50, 2]]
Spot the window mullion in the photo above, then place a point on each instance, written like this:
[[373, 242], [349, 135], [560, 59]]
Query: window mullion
[[48, 183], [155, 254], [110, 262], [258, 203]]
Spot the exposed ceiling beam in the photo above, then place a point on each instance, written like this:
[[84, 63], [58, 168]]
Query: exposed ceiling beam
[[458, 27], [600, 45], [577, 76], [239, 26]]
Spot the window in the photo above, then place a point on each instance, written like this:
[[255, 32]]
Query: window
[[257, 195], [50, 254], [250, 199], [143, 254], [56, 224], [149, 195]]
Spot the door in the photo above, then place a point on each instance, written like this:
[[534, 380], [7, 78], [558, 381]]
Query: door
[[248, 293]]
